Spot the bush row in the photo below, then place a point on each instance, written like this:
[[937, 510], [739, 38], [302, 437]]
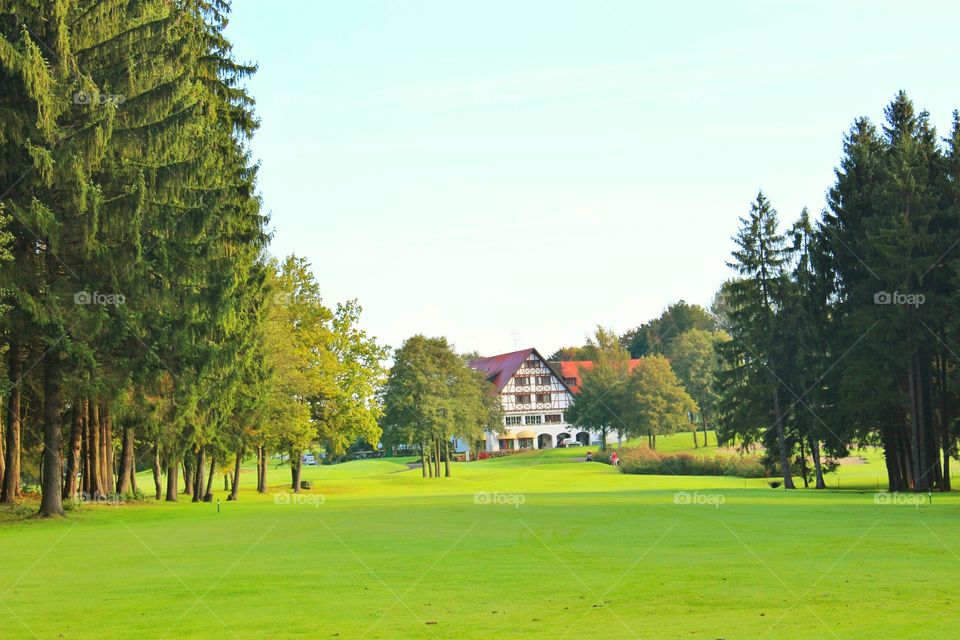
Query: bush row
[[645, 461], [484, 455]]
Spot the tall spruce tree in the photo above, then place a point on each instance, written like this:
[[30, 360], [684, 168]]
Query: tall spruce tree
[[752, 381]]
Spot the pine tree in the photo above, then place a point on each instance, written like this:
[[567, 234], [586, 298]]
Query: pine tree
[[752, 380]]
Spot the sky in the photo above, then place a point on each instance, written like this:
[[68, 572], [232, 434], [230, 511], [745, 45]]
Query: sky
[[513, 174]]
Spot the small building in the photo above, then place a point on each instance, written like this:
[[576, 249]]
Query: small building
[[535, 397]]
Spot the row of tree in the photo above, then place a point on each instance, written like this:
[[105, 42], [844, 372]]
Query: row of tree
[[142, 322], [434, 398], [657, 394], [843, 328], [835, 332]]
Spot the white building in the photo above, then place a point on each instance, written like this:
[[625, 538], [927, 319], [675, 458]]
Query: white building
[[535, 399]]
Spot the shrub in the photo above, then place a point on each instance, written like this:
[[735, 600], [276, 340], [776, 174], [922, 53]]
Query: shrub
[[645, 461], [484, 455]]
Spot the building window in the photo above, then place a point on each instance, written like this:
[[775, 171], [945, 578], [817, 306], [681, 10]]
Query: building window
[[534, 419], [570, 382], [525, 443], [512, 421], [554, 418], [521, 381], [523, 398], [543, 380], [532, 364], [543, 397]]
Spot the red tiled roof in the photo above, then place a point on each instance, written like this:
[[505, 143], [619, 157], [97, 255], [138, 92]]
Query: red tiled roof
[[571, 369], [498, 369]]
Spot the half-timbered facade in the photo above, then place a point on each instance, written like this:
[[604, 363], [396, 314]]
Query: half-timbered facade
[[535, 399]]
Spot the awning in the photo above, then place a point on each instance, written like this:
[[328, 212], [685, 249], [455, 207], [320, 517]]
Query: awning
[[527, 434], [507, 436]]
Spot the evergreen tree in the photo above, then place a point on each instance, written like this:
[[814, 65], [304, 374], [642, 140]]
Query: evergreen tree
[[752, 380]]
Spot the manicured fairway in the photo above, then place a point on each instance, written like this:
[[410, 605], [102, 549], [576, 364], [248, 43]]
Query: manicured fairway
[[562, 549]]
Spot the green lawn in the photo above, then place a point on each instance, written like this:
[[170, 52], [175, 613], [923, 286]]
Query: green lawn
[[564, 549]]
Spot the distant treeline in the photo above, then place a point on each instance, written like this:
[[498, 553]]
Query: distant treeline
[[838, 331]]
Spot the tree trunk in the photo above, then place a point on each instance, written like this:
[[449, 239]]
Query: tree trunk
[[947, 484], [3, 461], [905, 458], [804, 470], [259, 465], [173, 472], [73, 452], [235, 483], [85, 459], [95, 451], [188, 474], [213, 468], [946, 443], [893, 455], [133, 464], [446, 462], [916, 428], [51, 502], [423, 462], [108, 448], [156, 471], [198, 476], [782, 442], [703, 421], [934, 472], [11, 476], [261, 469], [297, 466], [126, 461], [817, 466], [696, 443], [105, 480]]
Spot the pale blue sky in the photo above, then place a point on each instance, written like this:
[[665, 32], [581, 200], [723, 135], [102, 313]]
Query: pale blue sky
[[522, 171]]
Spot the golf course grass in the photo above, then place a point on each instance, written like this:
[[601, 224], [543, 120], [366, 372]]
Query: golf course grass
[[537, 545]]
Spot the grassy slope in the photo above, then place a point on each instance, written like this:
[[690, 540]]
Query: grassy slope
[[590, 552]]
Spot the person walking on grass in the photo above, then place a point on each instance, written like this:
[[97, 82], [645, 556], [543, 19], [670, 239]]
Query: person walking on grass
[[614, 459], [589, 456]]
